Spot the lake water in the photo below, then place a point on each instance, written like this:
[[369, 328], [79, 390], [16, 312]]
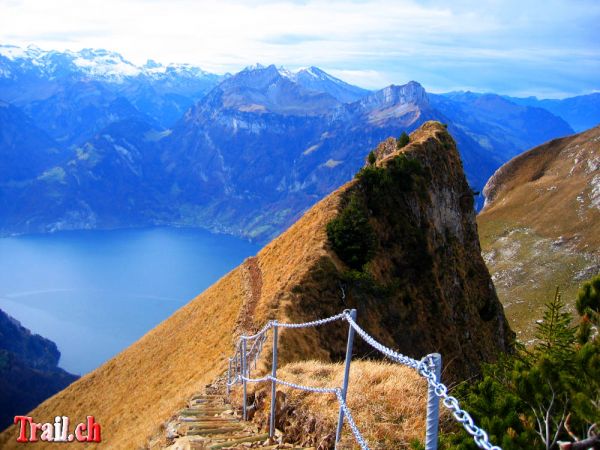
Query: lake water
[[96, 292]]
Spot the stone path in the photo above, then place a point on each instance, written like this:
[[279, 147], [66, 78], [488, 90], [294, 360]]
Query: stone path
[[210, 423]]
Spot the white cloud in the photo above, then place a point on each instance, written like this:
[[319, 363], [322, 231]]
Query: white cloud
[[367, 41]]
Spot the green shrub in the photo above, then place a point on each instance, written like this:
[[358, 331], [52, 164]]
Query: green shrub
[[381, 184], [588, 297], [351, 235], [403, 140], [523, 400], [372, 158]]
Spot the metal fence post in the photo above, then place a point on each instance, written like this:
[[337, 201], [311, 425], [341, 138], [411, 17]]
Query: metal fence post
[[244, 376], [229, 377], [274, 383], [338, 434], [433, 404]]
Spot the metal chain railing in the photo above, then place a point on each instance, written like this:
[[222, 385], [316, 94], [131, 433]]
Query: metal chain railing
[[463, 417], [429, 368], [393, 355], [292, 385], [348, 415], [314, 323]]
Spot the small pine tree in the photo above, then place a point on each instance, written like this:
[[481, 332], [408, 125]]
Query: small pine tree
[[402, 140], [372, 158], [523, 399], [351, 235], [555, 334], [588, 300]]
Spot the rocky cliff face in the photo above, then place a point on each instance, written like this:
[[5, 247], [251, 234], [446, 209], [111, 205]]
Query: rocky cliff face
[[29, 371], [425, 289], [541, 225]]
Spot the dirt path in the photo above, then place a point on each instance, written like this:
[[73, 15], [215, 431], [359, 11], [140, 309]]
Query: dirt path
[[252, 288]]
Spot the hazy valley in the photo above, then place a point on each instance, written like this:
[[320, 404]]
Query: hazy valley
[[246, 154]]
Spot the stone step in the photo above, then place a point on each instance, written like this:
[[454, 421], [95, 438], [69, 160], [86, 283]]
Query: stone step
[[203, 410], [199, 414], [206, 403], [211, 431], [206, 396], [255, 438], [215, 425], [208, 421], [205, 419]]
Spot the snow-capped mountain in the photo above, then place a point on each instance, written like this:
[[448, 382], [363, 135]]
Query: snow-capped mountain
[[314, 79], [31, 76], [97, 64]]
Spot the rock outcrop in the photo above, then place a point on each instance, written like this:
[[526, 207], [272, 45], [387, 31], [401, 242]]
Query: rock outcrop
[[29, 371], [425, 289]]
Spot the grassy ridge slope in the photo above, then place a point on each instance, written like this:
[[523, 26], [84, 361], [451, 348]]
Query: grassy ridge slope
[[541, 225]]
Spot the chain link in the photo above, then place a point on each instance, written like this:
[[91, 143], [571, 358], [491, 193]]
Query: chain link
[[314, 323], [393, 355], [256, 380], [348, 416], [479, 435], [264, 329], [305, 388]]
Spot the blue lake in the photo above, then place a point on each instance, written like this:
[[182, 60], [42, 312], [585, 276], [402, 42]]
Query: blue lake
[[96, 292]]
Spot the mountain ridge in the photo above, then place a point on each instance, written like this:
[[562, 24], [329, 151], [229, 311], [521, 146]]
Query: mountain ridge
[[540, 225], [246, 154]]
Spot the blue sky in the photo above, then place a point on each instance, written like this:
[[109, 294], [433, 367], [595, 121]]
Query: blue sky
[[548, 48]]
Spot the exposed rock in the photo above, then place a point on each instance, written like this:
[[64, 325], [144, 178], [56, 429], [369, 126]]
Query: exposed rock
[[430, 288]]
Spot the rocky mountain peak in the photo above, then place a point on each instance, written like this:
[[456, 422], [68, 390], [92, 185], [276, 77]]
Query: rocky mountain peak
[[400, 104], [410, 93], [255, 77]]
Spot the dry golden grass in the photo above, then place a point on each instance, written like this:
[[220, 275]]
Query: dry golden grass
[[548, 189], [388, 401], [135, 392]]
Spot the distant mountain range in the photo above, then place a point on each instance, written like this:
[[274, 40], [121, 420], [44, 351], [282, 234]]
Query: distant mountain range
[[32, 78], [581, 112], [90, 140]]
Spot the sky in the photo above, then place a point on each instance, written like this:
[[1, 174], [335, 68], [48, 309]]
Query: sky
[[548, 48]]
